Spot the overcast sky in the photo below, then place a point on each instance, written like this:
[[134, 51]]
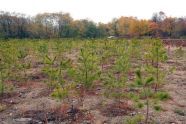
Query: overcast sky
[[97, 10]]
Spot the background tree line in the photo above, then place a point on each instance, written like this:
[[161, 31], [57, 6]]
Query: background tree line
[[62, 25]]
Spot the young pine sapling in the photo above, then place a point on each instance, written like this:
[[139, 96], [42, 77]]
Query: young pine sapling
[[144, 85]]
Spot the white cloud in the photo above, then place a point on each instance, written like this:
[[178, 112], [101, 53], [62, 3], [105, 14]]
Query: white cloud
[[97, 10]]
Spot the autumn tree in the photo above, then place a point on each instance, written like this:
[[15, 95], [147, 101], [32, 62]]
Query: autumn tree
[[62, 25]]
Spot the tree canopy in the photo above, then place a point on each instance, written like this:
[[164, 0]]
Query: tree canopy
[[62, 25]]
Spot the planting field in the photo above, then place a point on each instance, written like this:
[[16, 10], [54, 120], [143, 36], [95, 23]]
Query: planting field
[[92, 81]]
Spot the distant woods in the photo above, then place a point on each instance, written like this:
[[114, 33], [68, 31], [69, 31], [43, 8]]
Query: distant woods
[[62, 25]]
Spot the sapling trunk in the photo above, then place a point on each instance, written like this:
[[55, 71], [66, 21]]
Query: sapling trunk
[[147, 108], [50, 85], [86, 76], [102, 62], [147, 111], [102, 65], [2, 83], [60, 72], [146, 88], [24, 69], [157, 69]]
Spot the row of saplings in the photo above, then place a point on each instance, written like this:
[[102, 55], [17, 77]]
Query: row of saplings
[[66, 78]]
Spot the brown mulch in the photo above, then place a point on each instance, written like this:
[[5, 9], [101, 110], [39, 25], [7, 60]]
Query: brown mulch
[[117, 109]]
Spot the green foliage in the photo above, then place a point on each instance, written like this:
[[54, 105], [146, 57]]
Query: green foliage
[[162, 95], [155, 55], [139, 105], [22, 53], [157, 107], [179, 52], [135, 97], [23, 64], [116, 79], [137, 119], [2, 88], [145, 91], [141, 82], [156, 52], [50, 71], [42, 51], [87, 70], [74, 66], [60, 93]]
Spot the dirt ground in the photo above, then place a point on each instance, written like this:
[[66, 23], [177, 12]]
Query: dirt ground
[[30, 103]]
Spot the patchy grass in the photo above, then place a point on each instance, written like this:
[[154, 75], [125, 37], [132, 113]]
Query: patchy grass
[[180, 112], [137, 119], [2, 107]]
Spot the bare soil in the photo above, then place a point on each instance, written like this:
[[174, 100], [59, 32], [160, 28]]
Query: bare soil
[[31, 103]]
